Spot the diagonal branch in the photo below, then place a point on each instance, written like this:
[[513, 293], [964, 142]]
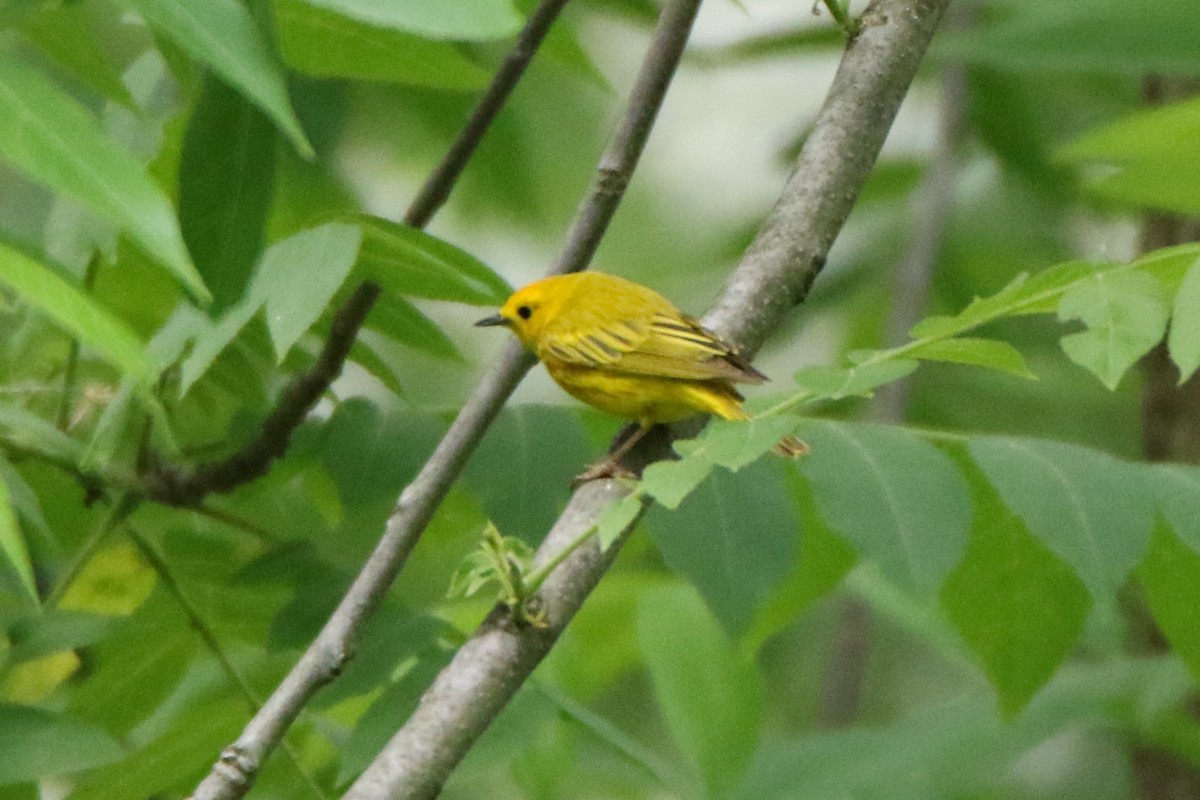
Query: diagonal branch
[[181, 486], [232, 776], [773, 276]]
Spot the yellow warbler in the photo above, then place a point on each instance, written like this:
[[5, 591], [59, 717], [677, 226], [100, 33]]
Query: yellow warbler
[[626, 350]]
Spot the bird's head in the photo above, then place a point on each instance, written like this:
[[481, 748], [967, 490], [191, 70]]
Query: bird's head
[[528, 310]]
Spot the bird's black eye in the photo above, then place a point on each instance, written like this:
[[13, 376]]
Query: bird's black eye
[[524, 312]]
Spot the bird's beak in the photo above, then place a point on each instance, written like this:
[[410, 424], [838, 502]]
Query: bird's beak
[[494, 319]]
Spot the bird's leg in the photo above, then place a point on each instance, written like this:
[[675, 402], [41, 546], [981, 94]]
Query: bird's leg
[[611, 467]]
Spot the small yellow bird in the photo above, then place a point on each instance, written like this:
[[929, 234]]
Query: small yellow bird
[[627, 350]]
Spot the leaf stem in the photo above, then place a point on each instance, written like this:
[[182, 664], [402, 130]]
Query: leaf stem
[[840, 15]]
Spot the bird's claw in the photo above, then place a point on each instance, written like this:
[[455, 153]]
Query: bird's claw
[[603, 469]]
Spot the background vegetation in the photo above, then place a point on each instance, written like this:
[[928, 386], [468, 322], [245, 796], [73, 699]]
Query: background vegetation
[[981, 584]]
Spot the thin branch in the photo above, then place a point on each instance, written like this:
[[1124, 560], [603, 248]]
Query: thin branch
[[240, 763], [186, 487], [774, 275], [159, 564]]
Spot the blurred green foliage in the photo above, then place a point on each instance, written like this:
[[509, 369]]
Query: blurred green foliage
[[186, 198]]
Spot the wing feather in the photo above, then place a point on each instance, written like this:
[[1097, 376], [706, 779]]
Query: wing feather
[[666, 346]]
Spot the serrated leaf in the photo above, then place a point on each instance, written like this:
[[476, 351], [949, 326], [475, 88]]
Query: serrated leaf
[[711, 697], [298, 276], [12, 544], [980, 310], [976, 352], [1017, 605], [733, 444], [1091, 509], [836, 383], [734, 538], [38, 744], [326, 44], [226, 182], [222, 35], [898, 499], [1126, 315], [469, 20], [407, 261], [1169, 575], [48, 136], [74, 312], [1184, 338]]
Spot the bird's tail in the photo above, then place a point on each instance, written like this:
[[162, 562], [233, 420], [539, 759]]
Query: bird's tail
[[730, 407]]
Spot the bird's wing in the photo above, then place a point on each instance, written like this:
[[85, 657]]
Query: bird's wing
[[665, 346]]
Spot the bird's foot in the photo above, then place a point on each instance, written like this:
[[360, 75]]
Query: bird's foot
[[608, 468]]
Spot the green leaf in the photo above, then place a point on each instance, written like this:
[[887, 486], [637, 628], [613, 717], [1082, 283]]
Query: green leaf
[[226, 182], [222, 35], [326, 44], [616, 518], [1094, 511], [1156, 165], [49, 137], [521, 473], [976, 352], [1184, 339], [175, 759], [67, 34], [28, 431], [1177, 487], [823, 560], [25, 501], [398, 319], [1017, 605], [1169, 576], [74, 312], [299, 275], [1126, 315], [670, 482], [735, 443], [12, 544], [407, 261], [711, 698], [469, 20], [37, 744], [126, 681], [836, 383], [1090, 36], [211, 339], [734, 538], [898, 499]]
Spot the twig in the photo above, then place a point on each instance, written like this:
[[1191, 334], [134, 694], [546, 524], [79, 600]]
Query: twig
[[159, 564], [239, 764], [774, 274]]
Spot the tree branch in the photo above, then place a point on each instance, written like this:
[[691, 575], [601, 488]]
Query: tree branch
[[232, 776], [774, 275], [180, 486]]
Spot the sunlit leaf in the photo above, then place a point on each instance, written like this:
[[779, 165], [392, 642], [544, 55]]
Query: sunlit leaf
[[222, 35], [1126, 315], [48, 136], [75, 312], [1184, 339], [976, 352], [463, 19]]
